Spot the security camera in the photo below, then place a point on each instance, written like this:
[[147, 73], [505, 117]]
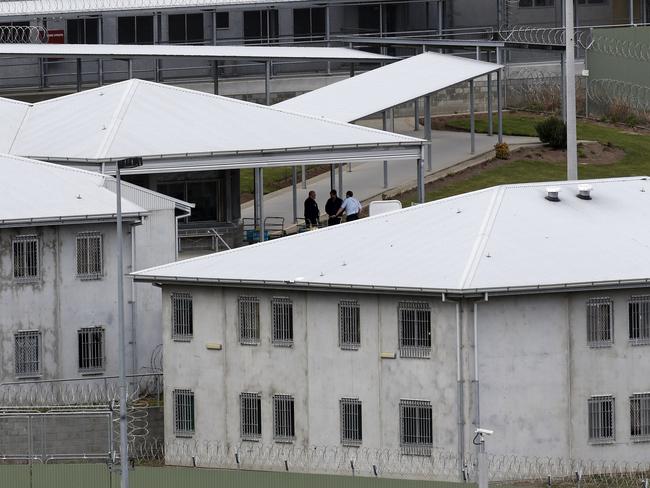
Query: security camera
[[484, 431]]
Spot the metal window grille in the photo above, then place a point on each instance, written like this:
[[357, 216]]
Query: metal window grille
[[416, 427], [640, 416], [183, 412], [639, 319], [182, 317], [599, 322], [283, 418], [251, 416], [349, 324], [249, 320], [91, 349], [89, 256], [282, 316], [25, 258], [601, 418], [414, 329], [351, 432], [28, 353]]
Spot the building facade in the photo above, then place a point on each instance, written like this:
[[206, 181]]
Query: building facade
[[405, 342], [59, 273]]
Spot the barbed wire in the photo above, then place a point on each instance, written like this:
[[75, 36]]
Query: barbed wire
[[440, 464], [621, 48], [78, 392], [22, 34], [544, 36], [609, 92]]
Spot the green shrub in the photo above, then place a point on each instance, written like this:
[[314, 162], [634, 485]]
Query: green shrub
[[552, 131]]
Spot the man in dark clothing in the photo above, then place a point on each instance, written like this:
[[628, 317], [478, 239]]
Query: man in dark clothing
[[332, 207], [312, 213]]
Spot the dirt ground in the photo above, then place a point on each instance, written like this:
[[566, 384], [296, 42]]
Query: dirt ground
[[588, 153]]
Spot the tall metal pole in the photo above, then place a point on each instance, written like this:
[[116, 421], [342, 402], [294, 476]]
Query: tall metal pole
[[294, 192], [267, 82], [416, 114], [563, 85], [124, 445], [499, 108], [420, 176], [489, 103], [384, 126], [472, 121], [572, 149], [631, 9], [130, 68]]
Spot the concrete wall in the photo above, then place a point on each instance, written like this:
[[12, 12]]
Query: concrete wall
[[536, 371]]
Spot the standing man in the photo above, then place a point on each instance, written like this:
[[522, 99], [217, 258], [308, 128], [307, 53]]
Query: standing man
[[312, 213], [332, 207], [351, 206]]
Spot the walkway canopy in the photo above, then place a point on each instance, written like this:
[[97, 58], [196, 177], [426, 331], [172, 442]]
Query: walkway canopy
[[386, 87], [215, 53]]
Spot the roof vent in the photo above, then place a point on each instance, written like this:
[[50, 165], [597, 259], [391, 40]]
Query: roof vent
[[553, 194], [584, 192]]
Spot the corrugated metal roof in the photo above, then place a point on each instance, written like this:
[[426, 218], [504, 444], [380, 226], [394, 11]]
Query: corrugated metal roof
[[140, 118], [40, 7], [504, 238], [382, 88], [260, 53], [46, 192]]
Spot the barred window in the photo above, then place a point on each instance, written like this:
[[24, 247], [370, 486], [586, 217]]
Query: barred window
[[601, 418], [91, 349], [28, 353], [251, 416], [25, 258], [349, 327], [89, 256], [282, 315], [182, 317], [249, 320], [414, 329], [416, 427], [639, 322], [351, 433], [283, 418], [640, 416], [183, 412], [600, 321]]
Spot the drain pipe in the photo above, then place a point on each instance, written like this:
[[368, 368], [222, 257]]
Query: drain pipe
[[477, 389], [134, 355]]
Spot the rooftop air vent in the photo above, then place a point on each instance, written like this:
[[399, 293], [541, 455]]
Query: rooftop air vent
[[553, 194], [584, 192]]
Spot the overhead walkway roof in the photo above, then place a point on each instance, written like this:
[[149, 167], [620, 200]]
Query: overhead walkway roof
[[386, 87], [252, 53], [176, 129]]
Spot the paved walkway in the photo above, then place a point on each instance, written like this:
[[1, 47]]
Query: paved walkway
[[366, 179]]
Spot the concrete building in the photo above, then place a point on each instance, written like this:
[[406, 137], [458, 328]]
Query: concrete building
[[58, 271], [519, 308]]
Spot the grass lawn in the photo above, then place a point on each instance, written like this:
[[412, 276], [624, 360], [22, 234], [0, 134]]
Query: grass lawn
[[636, 161], [274, 179]]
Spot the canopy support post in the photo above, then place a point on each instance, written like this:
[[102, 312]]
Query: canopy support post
[[499, 107], [259, 197], [129, 68], [341, 178], [416, 114], [294, 193], [215, 77], [384, 126], [267, 82], [427, 130], [79, 74], [333, 177], [489, 103], [303, 174], [420, 173]]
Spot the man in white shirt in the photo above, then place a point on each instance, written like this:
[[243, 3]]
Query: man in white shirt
[[351, 206]]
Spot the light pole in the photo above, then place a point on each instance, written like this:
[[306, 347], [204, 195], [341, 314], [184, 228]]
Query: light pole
[[124, 441]]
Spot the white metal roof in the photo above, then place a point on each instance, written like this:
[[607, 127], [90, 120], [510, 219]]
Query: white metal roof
[[40, 7], [37, 192], [156, 121], [13, 113], [506, 238], [391, 85], [122, 51]]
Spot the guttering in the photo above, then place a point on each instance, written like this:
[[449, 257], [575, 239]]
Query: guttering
[[75, 219]]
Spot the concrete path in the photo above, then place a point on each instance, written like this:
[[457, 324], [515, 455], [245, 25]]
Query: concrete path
[[366, 179]]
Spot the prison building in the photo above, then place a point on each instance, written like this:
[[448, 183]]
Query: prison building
[[58, 272], [520, 308]]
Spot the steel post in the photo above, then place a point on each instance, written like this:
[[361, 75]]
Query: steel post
[[472, 121], [294, 192], [499, 108], [303, 174], [124, 443], [420, 176], [79, 79], [261, 202], [416, 114], [215, 77], [384, 126], [341, 178], [267, 82], [427, 130], [333, 177], [572, 149], [489, 105], [563, 85], [100, 62], [129, 68]]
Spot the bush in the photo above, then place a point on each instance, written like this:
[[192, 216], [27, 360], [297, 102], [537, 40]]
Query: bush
[[552, 131], [502, 150]]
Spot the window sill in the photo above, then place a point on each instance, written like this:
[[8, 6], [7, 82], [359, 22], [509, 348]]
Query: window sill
[[350, 347], [94, 372], [417, 450], [604, 345], [184, 435], [249, 343], [282, 344], [182, 338], [602, 442], [251, 439], [640, 439], [89, 278], [27, 281], [351, 443], [639, 342], [287, 440], [29, 376]]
